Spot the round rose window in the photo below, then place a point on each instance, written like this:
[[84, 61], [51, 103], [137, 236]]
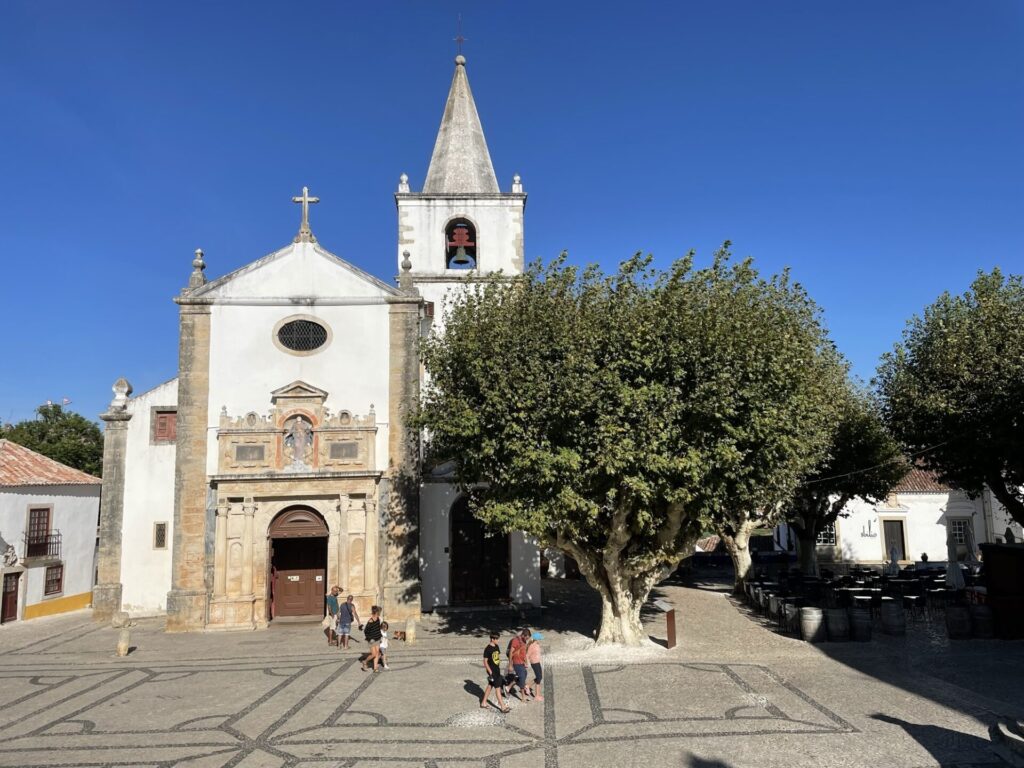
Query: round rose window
[[302, 335]]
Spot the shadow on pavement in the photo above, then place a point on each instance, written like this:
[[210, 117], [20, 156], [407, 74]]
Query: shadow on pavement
[[945, 744]]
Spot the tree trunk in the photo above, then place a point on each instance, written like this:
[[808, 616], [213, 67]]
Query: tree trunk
[[623, 593], [808, 545], [620, 618], [1005, 497], [738, 546]]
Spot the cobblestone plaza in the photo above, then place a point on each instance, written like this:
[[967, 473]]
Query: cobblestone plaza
[[733, 693]]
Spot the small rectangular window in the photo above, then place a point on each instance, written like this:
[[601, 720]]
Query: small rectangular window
[[165, 429], [347, 450], [54, 579], [958, 530], [827, 536], [159, 535], [248, 453]]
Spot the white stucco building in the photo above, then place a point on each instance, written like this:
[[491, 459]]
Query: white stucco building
[[915, 519], [277, 463], [48, 516]]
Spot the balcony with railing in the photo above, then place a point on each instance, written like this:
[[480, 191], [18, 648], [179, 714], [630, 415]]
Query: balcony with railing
[[42, 545]]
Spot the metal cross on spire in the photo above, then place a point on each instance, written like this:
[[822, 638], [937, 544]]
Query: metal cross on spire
[[459, 39], [305, 234]]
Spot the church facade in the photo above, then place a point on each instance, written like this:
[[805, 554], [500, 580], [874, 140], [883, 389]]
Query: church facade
[[279, 461]]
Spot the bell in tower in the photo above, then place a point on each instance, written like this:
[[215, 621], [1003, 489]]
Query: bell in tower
[[460, 236]]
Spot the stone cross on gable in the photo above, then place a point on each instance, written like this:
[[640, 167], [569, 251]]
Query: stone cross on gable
[[305, 234]]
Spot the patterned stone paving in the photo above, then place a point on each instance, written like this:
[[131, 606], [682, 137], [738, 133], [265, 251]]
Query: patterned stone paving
[[281, 698]]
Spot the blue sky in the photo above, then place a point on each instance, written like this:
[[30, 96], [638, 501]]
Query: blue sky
[[875, 148]]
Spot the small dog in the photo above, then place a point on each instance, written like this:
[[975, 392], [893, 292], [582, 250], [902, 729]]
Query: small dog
[[398, 634]]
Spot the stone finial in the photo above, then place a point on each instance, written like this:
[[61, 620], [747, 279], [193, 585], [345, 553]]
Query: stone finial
[[198, 278], [403, 183], [460, 60], [405, 277], [122, 391], [517, 184]]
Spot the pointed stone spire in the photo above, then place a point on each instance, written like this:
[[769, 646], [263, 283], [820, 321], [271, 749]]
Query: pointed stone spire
[[461, 162]]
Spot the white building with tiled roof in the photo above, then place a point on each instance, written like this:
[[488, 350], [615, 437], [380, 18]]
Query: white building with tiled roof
[[48, 517], [914, 520]]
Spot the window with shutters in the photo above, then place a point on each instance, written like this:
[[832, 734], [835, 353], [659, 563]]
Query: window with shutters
[[54, 580], [159, 535], [164, 425]]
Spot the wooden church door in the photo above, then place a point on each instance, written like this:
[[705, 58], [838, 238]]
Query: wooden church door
[[9, 602]]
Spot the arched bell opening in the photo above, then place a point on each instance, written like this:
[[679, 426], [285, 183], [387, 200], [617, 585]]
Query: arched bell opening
[[460, 244], [298, 564], [480, 559]]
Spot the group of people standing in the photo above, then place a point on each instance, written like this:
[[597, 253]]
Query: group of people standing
[[338, 622], [522, 650]]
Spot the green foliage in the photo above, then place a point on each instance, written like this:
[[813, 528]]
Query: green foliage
[[953, 388], [61, 435], [863, 461], [611, 416]]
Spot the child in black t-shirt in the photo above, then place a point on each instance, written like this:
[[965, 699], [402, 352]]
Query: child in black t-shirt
[[492, 666]]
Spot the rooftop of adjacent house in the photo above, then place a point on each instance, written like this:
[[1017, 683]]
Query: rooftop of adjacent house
[[919, 480], [22, 466]]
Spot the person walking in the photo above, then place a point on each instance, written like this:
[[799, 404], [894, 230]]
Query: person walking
[[384, 644], [347, 616], [517, 660], [533, 659], [373, 635], [331, 619], [492, 667]]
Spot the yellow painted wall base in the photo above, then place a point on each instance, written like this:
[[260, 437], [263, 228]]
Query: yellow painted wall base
[[58, 605]]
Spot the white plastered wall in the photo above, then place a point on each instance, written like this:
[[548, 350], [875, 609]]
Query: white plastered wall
[[148, 499], [246, 364], [860, 535], [75, 513]]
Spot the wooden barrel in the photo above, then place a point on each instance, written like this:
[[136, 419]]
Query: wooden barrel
[[958, 621], [812, 625], [894, 620], [792, 613], [838, 625], [981, 621], [860, 625]]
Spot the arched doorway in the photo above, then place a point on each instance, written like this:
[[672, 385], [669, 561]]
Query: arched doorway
[[298, 563], [479, 560]]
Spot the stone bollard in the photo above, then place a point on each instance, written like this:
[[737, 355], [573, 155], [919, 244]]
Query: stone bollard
[[410, 631], [124, 642], [120, 619]]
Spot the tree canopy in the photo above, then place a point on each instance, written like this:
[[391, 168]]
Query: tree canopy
[[953, 388], [610, 416], [863, 461], [63, 436]]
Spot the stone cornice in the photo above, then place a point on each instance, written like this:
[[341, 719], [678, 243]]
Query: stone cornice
[[277, 477], [199, 303]]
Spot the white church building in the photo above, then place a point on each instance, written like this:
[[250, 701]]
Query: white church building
[[279, 461]]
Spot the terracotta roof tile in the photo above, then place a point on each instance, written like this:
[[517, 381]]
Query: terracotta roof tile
[[21, 466], [919, 480]]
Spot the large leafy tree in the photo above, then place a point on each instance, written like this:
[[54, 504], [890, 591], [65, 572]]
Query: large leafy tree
[[863, 461], [953, 388], [61, 435], [610, 415]]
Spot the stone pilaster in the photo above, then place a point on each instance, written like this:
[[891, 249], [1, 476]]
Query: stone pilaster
[[106, 595], [400, 490], [187, 600]]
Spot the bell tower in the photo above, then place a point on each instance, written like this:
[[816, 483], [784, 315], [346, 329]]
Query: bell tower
[[461, 225]]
